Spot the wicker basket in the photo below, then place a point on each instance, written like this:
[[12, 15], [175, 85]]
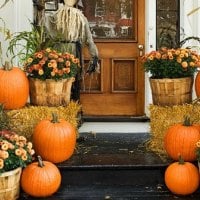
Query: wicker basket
[[10, 184], [169, 92], [50, 92]]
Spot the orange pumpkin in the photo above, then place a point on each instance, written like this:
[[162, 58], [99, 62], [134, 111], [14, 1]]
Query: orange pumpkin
[[54, 139], [40, 179], [14, 87], [182, 178], [197, 84], [181, 139]]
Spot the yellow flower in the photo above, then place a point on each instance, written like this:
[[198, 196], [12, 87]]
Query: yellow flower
[[39, 55], [50, 64], [22, 138], [75, 60], [18, 152], [192, 64], [24, 157], [183, 51], [179, 60], [21, 144], [29, 145], [53, 73], [48, 50], [151, 57], [40, 72], [4, 146], [170, 54], [184, 64], [164, 56], [30, 60], [177, 52], [158, 55], [15, 137]]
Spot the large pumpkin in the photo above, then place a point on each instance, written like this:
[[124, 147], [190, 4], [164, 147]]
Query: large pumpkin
[[54, 139], [197, 84], [14, 87], [40, 179], [182, 178], [181, 139]]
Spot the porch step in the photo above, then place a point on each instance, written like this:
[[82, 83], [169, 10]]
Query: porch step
[[114, 166]]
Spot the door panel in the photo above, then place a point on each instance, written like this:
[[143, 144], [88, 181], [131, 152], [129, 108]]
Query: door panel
[[119, 88]]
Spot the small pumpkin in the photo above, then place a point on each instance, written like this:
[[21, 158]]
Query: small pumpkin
[[181, 139], [197, 84], [40, 179], [54, 139], [14, 87], [182, 178]]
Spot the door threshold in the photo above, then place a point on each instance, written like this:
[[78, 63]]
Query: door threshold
[[89, 118]]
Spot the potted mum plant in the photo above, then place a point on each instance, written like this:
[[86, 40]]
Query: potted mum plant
[[172, 72], [51, 75], [15, 153]]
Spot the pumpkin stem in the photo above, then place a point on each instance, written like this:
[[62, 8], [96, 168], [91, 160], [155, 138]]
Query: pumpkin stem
[[7, 66], [54, 118], [187, 121], [40, 162], [181, 160]]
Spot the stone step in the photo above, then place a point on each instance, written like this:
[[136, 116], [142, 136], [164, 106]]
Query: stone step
[[113, 166]]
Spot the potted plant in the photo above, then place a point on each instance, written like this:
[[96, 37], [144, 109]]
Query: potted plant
[[51, 75], [172, 72], [15, 153]]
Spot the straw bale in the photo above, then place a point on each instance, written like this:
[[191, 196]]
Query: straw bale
[[23, 120], [162, 117]]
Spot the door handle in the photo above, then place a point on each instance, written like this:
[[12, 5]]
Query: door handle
[[141, 48]]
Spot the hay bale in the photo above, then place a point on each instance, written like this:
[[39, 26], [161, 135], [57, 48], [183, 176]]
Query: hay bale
[[23, 120], [162, 117]]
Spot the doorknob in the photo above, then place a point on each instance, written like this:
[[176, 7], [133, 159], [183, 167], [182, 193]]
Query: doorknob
[[141, 48]]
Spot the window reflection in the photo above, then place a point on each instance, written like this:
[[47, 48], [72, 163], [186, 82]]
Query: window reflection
[[110, 18]]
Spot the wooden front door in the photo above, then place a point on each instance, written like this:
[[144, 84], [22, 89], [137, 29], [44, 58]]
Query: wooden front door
[[118, 27]]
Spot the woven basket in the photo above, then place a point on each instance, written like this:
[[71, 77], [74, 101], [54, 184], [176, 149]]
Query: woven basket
[[169, 92], [10, 184], [50, 92]]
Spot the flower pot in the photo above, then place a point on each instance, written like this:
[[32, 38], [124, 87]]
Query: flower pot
[[169, 92], [10, 184], [50, 92]]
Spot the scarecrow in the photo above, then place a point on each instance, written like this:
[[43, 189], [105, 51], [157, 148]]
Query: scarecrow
[[70, 25]]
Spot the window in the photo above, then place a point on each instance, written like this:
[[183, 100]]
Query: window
[[167, 23]]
